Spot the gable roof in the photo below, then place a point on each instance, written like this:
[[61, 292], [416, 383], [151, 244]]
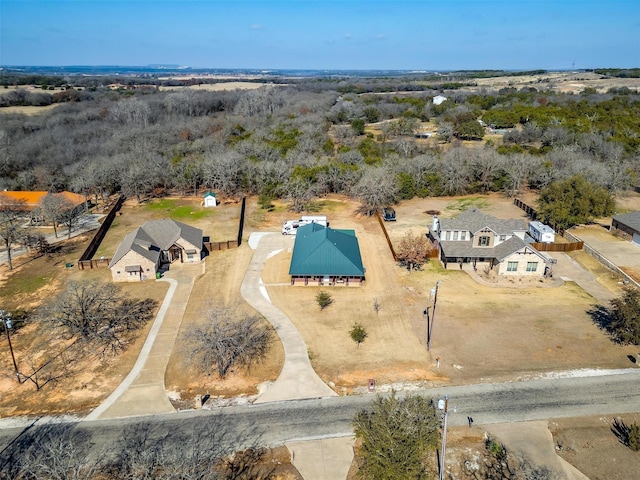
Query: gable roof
[[631, 219], [32, 199], [320, 250], [155, 236], [466, 249], [474, 220]]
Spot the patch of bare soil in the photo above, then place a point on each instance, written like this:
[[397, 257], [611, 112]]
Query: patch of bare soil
[[590, 445]]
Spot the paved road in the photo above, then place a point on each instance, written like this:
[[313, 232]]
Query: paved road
[[276, 423]]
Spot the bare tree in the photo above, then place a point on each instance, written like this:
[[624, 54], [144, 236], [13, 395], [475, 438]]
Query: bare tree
[[13, 213], [517, 168], [375, 189], [413, 251], [300, 191], [99, 314], [58, 209], [224, 171], [455, 171], [228, 340]]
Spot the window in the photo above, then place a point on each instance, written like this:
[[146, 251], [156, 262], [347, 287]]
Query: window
[[447, 235], [532, 266], [483, 241], [463, 235], [512, 266], [455, 235]]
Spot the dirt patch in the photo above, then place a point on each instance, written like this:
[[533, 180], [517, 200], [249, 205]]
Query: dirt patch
[[589, 444]]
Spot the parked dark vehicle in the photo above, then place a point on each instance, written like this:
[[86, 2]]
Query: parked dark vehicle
[[389, 214]]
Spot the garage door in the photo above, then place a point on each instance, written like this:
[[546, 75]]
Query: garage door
[[636, 238]]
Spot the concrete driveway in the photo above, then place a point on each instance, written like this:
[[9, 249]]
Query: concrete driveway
[[568, 269], [143, 392], [297, 379], [620, 252]]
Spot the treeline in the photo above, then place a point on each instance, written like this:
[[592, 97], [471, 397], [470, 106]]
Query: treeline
[[619, 72], [310, 138]]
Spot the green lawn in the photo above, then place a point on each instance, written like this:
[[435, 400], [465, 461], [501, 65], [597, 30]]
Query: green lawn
[[179, 210]]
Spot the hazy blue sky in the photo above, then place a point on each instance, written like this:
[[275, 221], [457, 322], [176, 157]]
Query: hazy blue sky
[[307, 34]]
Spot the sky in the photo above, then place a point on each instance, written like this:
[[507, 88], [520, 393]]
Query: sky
[[309, 34]]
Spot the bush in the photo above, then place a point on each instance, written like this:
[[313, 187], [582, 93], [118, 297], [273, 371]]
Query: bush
[[358, 333], [324, 299]]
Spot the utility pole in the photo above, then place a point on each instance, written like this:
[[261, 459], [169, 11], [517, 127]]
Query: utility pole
[[445, 403], [430, 320], [6, 321]]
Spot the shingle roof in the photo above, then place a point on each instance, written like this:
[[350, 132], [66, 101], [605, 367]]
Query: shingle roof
[[154, 236], [631, 219], [474, 220], [320, 250], [466, 249]]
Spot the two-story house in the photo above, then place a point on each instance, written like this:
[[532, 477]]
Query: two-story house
[[474, 237]]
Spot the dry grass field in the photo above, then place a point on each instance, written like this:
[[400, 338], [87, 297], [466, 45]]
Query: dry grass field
[[480, 333], [566, 82], [88, 380]]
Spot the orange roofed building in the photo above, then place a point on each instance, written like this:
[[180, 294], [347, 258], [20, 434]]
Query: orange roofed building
[[32, 199]]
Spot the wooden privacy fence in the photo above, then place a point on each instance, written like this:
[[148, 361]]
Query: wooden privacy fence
[[530, 211], [226, 245], [557, 247], [94, 263], [386, 235], [85, 261]]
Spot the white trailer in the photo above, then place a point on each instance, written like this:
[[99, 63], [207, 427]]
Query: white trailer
[[541, 232], [290, 227]]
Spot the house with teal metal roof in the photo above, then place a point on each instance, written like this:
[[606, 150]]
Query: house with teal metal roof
[[326, 256]]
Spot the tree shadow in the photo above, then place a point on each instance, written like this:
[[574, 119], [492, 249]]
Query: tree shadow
[[204, 447], [50, 451], [621, 430], [196, 448], [602, 317]]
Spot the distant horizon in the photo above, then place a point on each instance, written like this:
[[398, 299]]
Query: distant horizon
[[188, 68], [397, 35]]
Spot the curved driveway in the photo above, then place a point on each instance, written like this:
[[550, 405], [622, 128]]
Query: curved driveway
[[297, 379]]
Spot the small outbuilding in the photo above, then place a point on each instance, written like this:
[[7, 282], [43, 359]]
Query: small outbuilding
[[210, 199], [439, 99], [627, 225]]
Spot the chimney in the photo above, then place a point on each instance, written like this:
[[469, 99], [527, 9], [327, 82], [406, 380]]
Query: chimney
[[435, 226]]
